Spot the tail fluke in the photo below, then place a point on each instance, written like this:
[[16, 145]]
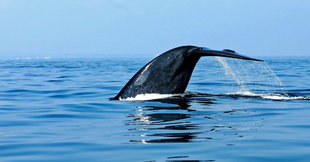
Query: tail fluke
[[224, 53]]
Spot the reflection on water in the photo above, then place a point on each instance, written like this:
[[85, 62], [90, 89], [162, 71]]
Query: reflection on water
[[168, 120], [62, 107], [179, 121]]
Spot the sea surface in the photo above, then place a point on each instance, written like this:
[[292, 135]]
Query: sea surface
[[233, 110]]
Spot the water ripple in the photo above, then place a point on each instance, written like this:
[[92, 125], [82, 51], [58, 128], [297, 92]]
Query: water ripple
[[59, 110]]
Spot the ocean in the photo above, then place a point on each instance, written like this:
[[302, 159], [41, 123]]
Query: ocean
[[233, 110]]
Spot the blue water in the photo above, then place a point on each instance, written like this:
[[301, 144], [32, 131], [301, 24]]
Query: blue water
[[53, 110]]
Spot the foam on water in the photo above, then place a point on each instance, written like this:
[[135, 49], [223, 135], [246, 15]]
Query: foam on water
[[271, 96], [150, 96]]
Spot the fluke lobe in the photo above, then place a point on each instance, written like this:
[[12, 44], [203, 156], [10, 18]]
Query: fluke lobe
[[170, 72]]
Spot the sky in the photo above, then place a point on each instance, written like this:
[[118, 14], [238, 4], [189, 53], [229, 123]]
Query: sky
[[146, 28]]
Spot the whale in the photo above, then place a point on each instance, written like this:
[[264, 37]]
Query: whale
[[170, 72]]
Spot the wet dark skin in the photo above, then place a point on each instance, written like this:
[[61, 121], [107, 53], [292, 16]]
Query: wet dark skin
[[170, 72]]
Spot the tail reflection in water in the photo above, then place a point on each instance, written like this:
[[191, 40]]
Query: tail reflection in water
[[164, 124], [177, 122]]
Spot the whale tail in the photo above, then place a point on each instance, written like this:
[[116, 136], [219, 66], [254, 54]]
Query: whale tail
[[223, 53], [170, 72]]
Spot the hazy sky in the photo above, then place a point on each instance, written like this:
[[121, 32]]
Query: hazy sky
[[145, 28]]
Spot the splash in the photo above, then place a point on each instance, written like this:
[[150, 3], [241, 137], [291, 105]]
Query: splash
[[255, 80], [234, 74], [277, 79]]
